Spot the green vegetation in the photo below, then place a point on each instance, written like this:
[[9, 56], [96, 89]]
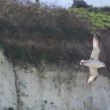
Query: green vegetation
[[23, 21], [99, 17], [33, 34]]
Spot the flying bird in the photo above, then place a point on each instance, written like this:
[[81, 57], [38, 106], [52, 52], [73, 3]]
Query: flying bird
[[94, 63]]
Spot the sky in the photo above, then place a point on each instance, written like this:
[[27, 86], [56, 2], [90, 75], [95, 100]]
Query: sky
[[68, 3]]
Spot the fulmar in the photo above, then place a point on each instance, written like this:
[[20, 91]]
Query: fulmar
[[94, 63]]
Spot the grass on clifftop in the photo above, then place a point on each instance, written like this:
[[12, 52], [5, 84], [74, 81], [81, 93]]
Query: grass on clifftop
[[99, 17]]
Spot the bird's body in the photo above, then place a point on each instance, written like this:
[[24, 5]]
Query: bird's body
[[94, 63]]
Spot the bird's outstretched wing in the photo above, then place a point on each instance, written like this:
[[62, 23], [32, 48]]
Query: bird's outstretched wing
[[96, 48], [93, 75]]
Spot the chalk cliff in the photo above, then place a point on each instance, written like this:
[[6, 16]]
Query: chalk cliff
[[26, 87]]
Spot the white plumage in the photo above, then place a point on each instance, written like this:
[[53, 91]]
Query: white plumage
[[94, 62]]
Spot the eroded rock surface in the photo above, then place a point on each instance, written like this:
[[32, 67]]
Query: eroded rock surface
[[8, 97], [52, 88], [59, 89]]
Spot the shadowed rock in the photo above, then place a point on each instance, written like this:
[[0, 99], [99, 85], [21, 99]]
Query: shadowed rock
[[105, 53]]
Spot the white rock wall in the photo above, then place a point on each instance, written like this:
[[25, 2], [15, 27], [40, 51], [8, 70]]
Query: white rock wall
[[56, 89], [8, 99], [53, 88]]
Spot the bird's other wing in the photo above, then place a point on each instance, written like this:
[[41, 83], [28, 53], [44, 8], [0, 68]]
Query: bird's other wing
[[96, 47], [93, 75], [93, 72]]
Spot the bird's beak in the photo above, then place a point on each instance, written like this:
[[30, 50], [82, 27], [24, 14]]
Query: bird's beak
[[81, 63]]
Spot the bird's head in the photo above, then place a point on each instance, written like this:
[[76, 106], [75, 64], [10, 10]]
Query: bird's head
[[82, 62]]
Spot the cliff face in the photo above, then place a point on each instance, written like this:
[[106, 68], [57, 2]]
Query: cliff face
[[8, 97], [50, 88]]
